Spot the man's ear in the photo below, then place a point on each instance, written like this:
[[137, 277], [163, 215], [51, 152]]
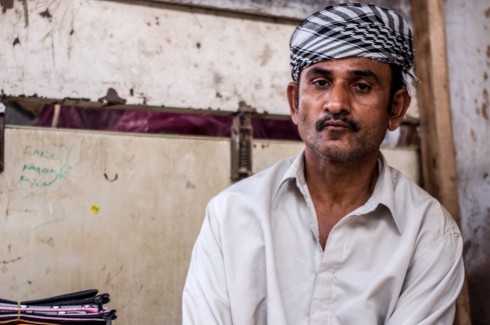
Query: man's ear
[[292, 95], [399, 105]]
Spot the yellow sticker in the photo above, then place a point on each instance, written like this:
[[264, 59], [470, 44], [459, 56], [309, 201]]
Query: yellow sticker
[[95, 209]]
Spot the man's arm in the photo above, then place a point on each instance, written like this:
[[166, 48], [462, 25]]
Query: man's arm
[[432, 285], [205, 297]]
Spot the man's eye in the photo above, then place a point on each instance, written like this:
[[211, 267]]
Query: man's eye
[[362, 87], [320, 82]]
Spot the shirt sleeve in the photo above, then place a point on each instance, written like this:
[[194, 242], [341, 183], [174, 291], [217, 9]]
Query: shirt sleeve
[[432, 284], [205, 297]]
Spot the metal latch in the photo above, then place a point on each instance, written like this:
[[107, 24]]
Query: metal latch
[[241, 142], [2, 136]]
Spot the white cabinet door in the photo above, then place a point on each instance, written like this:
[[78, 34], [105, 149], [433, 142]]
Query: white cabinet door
[[115, 212]]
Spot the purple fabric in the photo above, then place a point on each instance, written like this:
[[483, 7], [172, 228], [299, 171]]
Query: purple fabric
[[161, 122]]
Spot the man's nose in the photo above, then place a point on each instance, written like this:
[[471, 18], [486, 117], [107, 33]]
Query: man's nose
[[337, 99]]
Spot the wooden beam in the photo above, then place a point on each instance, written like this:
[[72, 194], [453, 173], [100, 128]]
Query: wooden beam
[[293, 10], [438, 155]]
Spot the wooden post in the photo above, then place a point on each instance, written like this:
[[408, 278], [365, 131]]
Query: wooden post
[[438, 156]]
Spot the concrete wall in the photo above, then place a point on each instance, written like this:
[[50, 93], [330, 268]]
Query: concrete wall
[[152, 54], [468, 41]]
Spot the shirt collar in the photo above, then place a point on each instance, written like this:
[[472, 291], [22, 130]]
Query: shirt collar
[[383, 193], [295, 171]]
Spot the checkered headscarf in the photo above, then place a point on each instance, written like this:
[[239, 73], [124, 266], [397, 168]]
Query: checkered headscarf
[[353, 30]]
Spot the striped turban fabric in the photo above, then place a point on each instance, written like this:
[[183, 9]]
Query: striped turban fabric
[[353, 30]]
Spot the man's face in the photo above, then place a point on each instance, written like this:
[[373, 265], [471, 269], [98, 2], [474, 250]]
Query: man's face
[[341, 107]]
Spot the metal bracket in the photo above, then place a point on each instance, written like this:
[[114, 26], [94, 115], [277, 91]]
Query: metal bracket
[[2, 136], [241, 142]]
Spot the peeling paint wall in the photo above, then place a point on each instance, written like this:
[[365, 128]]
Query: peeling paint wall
[[468, 41], [149, 53], [153, 54]]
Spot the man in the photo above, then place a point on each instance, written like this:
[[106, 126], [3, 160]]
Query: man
[[334, 235]]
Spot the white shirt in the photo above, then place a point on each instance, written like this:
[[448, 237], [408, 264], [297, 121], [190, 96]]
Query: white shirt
[[395, 260]]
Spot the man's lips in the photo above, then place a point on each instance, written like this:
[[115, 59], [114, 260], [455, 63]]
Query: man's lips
[[336, 124]]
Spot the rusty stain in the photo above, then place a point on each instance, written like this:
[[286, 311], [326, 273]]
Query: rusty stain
[[218, 79], [190, 185], [26, 12], [112, 98], [486, 103], [198, 45], [266, 55], [48, 241], [473, 135], [46, 14], [72, 32], [487, 13], [11, 261], [485, 76], [16, 41], [6, 5]]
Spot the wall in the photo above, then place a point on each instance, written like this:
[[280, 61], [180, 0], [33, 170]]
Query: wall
[[152, 53], [468, 42]]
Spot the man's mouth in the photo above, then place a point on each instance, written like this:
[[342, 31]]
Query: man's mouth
[[336, 123]]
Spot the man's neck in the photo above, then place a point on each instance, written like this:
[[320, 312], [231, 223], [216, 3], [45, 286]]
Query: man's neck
[[341, 181], [338, 188]]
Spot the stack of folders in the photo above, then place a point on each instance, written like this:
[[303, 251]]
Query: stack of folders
[[77, 308]]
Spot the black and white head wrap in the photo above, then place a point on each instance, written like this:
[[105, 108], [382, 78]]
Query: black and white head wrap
[[353, 30]]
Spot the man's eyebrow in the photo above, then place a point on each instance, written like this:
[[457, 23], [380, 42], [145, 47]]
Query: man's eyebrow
[[317, 71], [364, 73]]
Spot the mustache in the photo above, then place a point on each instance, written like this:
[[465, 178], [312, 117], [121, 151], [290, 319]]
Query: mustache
[[320, 124]]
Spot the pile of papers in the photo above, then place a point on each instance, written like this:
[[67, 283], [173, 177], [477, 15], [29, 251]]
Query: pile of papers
[[77, 308]]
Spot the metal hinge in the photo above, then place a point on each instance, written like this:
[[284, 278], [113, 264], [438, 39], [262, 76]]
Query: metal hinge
[[2, 136], [241, 142]]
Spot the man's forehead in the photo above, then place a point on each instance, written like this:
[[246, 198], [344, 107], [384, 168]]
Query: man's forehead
[[352, 66]]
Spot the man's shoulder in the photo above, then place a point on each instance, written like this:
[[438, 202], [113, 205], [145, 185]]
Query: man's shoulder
[[250, 198], [419, 208], [264, 182]]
